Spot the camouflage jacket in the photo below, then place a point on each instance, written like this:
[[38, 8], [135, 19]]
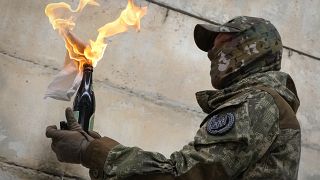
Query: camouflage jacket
[[258, 137]]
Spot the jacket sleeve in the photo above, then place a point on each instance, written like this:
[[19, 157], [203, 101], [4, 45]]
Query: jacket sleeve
[[209, 156]]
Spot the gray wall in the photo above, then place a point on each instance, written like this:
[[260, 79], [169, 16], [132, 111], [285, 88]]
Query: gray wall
[[145, 83]]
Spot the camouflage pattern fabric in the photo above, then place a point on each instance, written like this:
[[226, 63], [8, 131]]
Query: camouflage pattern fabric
[[255, 148], [256, 48], [243, 136]]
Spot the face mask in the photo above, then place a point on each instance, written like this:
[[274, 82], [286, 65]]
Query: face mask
[[220, 64], [213, 53], [257, 49]]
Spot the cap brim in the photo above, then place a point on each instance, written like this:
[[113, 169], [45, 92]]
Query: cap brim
[[204, 34]]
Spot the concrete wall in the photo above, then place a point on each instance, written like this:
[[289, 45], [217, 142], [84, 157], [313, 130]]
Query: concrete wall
[[138, 80]]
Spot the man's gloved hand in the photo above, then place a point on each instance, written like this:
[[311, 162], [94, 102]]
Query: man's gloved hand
[[76, 146], [70, 145]]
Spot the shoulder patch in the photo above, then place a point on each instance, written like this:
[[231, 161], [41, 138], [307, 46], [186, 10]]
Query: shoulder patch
[[220, 124]]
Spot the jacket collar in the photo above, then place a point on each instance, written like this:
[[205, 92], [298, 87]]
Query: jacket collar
[[209, 100]]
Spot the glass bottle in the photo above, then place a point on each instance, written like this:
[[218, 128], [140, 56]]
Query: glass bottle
[[84, 102]]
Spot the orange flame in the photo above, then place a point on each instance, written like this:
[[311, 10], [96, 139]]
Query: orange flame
[[63, 17]]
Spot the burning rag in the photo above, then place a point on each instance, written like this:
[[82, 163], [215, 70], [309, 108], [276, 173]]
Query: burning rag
[[66, 82]]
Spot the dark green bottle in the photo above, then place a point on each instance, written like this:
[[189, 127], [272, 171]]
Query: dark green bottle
[[84, 103]]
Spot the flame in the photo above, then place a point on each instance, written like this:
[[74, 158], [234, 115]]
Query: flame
[[63, 17]]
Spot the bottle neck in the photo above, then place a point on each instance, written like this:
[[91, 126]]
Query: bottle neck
[[86, 82]]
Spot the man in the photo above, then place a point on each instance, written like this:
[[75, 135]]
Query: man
[[251, 131]]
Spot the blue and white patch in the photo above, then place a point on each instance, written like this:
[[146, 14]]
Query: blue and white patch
[[220, 124]]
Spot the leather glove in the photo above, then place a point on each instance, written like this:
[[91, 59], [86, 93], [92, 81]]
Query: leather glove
[[70, 145], [74, 145]]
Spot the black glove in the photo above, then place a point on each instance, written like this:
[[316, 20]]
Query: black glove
[[70, 145]]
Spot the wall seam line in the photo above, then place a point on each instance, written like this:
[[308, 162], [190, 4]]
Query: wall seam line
[[311, 146], [215, 23], [182, 12], [146, 96], [37, 170]]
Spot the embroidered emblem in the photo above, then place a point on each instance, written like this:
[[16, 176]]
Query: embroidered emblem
[[220, 124]]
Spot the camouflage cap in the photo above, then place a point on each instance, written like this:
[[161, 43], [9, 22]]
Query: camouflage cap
[[255, 47], [204, 34]]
